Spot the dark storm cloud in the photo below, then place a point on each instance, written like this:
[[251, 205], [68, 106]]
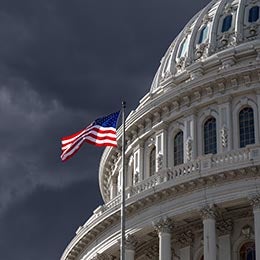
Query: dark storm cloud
[[63, 63], [41, 236]]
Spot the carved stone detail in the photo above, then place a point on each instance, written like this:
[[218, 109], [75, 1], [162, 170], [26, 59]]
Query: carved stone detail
[[255, 201], [102, 256], [130, 242], [208, 212], [164, 225], [188, 147], [185, 239], [152, 252], [224, 227], [160, 161], [224, 136]]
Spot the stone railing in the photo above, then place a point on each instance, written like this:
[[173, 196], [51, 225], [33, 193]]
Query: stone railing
[[203, 166]]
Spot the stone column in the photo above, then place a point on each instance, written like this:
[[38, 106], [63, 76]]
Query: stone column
[[185, 240], [164, 228], [255, 202], [224, 229], [209, 233], [130, 245]]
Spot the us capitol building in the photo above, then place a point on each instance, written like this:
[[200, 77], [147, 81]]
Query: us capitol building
[[192, 151]]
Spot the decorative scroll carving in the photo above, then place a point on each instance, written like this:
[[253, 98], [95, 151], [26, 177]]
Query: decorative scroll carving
[[224, 136], [164, 225], [188, 147], [130, 242], [160, 161], [224, 227], [185, 239], [208, 212]]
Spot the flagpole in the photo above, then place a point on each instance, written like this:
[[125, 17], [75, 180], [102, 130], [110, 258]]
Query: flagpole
[[122, 251]]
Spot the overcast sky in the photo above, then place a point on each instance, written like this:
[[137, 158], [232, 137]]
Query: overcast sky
[[62, 64]]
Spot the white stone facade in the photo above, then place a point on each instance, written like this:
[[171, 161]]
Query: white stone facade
[[192, 151]]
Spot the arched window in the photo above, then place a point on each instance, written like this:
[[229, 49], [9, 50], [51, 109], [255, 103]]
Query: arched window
[[253, 14], [183, 48], [227, 22], [203, 34], [178, 148], [210, 136], [246, 127], [152, 161], [247, 251]]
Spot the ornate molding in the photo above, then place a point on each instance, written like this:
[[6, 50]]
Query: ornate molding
[[102, 256], [188, 147], [224, 227], [131, 242], [164, 225], [255, 201], [224, 136], [185, 239], [152, 252], [208, 212]]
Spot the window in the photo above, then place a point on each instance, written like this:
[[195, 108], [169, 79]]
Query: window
[[152, 162], [183, 48], [227, 22], [253, 14], [203, 35], [210, 136], [247, 251], [246, 127], [178, 148]]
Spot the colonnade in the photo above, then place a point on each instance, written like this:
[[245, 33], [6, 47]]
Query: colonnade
[[165, 228]]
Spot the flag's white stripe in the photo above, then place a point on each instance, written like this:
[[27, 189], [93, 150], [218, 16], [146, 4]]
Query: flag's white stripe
[[66, 153], [97, 135], [94, 140], [92, 129], [93, 132]]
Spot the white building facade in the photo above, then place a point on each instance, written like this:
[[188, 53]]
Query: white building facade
[[192, 152]]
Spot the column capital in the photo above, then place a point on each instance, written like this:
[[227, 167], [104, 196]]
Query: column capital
[[255, 201], [164, 225], [131, 242], [208, 212], [224, 227]]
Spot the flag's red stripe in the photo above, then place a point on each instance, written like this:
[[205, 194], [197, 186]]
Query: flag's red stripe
[[92, 133]]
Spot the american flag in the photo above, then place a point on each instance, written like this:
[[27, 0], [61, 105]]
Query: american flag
[[102, 132]]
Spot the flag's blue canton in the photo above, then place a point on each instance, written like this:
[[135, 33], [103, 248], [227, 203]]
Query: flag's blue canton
[[108, 121]]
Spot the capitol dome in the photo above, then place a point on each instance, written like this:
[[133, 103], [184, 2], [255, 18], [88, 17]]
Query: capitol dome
[[192, 151]]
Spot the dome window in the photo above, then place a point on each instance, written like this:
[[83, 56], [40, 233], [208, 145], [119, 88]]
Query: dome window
[[203, 35], [183, 48], [210, 136], [253, 14], [247, 251], [178, 148], [152, 161], [246, 127], [227, 22]]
